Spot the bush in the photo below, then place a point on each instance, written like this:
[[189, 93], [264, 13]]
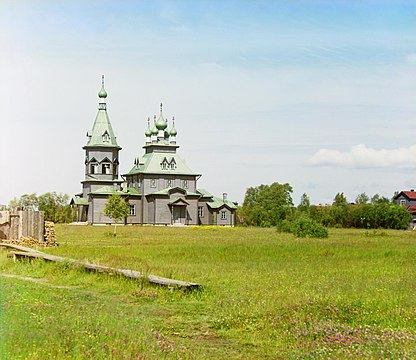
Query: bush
[[284, 226], [305, 227]]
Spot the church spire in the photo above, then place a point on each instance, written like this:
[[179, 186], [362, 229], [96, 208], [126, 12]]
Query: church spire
[[102, 133]]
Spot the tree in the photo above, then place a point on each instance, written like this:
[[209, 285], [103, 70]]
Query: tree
[[25, 202], [55, 206], [117, 209], [305, 203], [340, 200], [362, 198], [266, 205]]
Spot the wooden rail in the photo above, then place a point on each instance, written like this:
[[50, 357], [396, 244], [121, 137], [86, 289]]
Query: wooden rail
[[132, 274]]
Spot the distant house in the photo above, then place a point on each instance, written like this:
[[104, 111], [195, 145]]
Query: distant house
[[160, 187], [408, 200]]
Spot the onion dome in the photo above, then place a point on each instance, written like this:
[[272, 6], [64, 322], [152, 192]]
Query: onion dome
[[148, 132], [161, 123], [102, 94], [154, 130], [173, 131]]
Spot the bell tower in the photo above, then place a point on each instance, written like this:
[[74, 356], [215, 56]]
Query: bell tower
[[101, 151]]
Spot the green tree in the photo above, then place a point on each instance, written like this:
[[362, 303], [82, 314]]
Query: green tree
[[25, 202], [340, 200], [55, 206], [362, 198], [377, 199], [117, 209], [305, 203], [266, 205]]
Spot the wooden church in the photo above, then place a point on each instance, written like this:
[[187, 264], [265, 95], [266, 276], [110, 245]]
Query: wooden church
[[160, 188]]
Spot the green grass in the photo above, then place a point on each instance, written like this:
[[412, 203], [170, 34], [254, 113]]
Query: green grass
[[265, 295]]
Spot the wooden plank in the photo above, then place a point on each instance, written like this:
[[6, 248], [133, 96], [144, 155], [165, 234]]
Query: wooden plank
[[18, 247], [132, 274]]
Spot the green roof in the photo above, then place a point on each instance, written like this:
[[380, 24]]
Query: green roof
[[204, 193], [151, 163], [77, 200], [216, 203], [109, 190], [102, 133], [167, 192]]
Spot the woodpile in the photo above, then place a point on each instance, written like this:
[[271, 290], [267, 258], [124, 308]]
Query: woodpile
[[24, 241], [50, 235], [28, 241]]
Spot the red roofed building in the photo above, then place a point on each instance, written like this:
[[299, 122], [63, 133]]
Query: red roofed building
[[407, 199]]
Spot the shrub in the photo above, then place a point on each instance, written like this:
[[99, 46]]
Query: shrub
[[284, 226], [305, 227]]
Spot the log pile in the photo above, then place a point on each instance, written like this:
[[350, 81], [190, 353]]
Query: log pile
[[50, 235], [28, 241], [24, 241]]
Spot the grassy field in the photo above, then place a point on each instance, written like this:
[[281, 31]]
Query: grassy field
[[265, 296]]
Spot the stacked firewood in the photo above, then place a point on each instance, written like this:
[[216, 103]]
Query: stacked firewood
[[24, 241], [28, 241], [50, 235]]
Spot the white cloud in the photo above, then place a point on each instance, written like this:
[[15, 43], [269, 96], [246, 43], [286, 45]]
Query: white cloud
[[361, 156]]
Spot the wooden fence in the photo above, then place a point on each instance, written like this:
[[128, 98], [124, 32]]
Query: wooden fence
[[16, 224]]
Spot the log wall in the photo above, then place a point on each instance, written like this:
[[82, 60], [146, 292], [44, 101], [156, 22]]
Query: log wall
[[16, 224]]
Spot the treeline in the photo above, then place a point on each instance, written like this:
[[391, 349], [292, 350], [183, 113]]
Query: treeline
[[272, 205], [55, 206]]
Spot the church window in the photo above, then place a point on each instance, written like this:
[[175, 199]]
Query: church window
[[106, 169], [172, 164], [201, 211], [223, 215], [94, 168], [164, 164], [106, 137], [185, 184], [139, 182], [169, 183], [153, 183], [132, 210]]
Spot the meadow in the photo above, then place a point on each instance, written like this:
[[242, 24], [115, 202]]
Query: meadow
[[265, 295]]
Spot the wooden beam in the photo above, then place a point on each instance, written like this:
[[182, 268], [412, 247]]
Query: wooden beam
[[20, 248], [132, 274]]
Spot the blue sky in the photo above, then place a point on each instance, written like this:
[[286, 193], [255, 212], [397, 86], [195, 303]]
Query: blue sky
[[320, 94]]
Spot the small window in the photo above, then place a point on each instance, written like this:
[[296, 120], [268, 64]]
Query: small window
[[153, 183], [106, 137], [169, 183], [93, 168], [223, 215], [132, 210], [402, 202], [139, 182], [164, 164], [172, 164], [201, 211], [106, 169], [185, 184]]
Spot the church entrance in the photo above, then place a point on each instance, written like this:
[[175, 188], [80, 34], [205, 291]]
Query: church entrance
[[179, 214]]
